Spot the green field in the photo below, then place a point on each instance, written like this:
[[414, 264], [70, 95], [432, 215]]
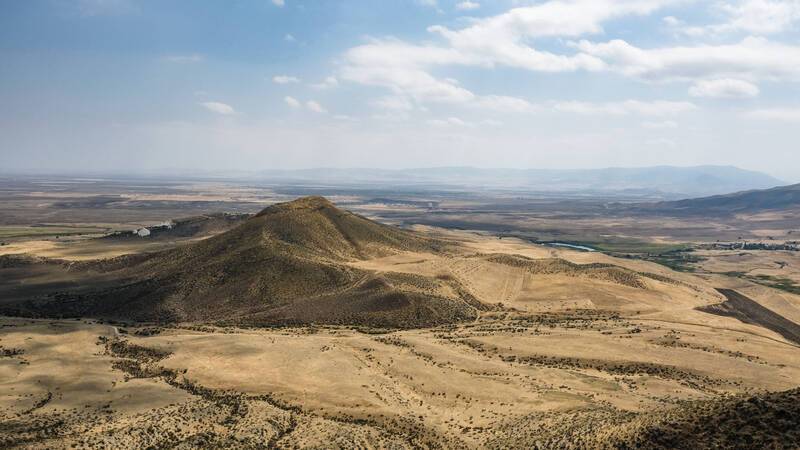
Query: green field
[[783, 284], [675, 256], [638, 247]]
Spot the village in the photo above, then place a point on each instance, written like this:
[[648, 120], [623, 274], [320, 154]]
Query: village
[[745, 245]]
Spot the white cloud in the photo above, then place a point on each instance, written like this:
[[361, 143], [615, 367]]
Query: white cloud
[[563, 18], [422, 87], [279, 3], [316, 107], [753, 17], [680, 28], [311, 105], [399, 67], [759, 16], [393, 103], [503, 39], [219, 108], [502, 103], [724, 88], [508, 39], [285, 79], [398, 54], [776, 114], [750, 59], [289, 38], [292, 102], [655, 108], [327, 83], [467, 6]]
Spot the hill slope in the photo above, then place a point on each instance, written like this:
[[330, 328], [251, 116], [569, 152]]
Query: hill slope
[[286, 265], [779, 198], [763, 420], [187, 227]]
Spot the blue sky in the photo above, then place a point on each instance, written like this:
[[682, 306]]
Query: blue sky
[[263, 84]]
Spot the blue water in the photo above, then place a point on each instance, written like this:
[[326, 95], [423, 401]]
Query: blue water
[[573, 246]]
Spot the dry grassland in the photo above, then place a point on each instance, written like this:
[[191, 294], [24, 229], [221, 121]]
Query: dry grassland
[[589, 351]]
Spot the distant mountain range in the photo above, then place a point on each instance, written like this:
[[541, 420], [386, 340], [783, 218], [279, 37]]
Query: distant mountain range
[[670, 181], [658, 182], [753, 201]]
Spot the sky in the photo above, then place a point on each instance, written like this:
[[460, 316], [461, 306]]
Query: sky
[[194, 85]]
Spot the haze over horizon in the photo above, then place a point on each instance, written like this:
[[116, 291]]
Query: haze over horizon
[[124, 85], [438, 174]]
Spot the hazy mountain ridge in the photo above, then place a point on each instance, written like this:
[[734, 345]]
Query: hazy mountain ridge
[[752, 201], [693, 181]]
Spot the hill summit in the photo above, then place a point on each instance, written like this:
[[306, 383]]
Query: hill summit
[[287, 265], [315, 226]]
